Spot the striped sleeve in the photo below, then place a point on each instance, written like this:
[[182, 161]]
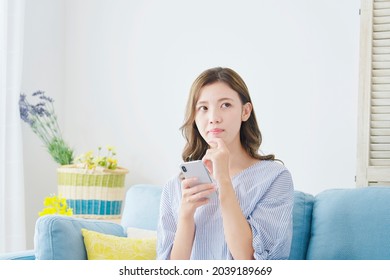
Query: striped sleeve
[[271, 220], [166, 225]]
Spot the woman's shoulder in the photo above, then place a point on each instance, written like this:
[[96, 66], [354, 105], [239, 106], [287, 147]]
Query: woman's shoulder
[[264, 172], [267, 167]]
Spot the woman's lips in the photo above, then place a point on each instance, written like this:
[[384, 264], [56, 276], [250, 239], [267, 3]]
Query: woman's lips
[[215, 131]]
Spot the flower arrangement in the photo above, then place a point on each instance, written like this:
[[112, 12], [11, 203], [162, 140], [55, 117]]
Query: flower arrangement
[[55, 205], [97, 181], [42, 119], [89, 161]]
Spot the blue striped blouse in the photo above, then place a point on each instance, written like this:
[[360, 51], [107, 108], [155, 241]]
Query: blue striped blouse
[[266, 194]]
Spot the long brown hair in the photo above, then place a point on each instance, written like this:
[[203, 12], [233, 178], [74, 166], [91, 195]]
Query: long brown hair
[[250, 135]]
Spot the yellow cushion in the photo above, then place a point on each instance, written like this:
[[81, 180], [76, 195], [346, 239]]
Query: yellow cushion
[[101, 246]]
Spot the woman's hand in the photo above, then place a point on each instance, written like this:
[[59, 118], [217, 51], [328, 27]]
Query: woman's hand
[[216, 159], [194, 195]]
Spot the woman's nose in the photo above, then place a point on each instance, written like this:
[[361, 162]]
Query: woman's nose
[[214, 117]]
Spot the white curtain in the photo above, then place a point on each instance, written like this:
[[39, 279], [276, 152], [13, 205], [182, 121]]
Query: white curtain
[[12, 210]]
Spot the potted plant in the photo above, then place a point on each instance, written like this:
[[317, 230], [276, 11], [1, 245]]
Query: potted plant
[[92, 185]]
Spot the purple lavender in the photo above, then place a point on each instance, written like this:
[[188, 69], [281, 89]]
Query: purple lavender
[[42, 119]]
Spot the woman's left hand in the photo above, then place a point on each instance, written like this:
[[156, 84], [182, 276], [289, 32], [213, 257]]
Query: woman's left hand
[[216, 159]]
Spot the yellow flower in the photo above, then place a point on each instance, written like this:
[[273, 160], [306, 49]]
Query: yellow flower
[[90, 161], [88, 155], [110, 148], [55, 205], [91, 165], [112, 163]]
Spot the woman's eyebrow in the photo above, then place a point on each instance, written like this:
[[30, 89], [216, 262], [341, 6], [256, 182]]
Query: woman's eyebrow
[[219, 100], [201, 102], [225, 99]]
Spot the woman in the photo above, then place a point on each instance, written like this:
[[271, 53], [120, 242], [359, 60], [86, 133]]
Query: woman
[[251, 215]]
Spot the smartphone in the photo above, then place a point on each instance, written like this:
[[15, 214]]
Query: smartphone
[[196, 169]]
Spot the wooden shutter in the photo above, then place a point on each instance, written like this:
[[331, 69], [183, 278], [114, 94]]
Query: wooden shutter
[[373, 157]]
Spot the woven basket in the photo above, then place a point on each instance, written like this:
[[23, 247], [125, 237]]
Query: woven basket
[[95, 194]]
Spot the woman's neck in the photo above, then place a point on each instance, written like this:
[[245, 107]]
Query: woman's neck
[[239, 160]]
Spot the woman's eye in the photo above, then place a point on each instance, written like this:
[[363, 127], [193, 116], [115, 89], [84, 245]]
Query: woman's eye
[[202, 108], [226, 105]]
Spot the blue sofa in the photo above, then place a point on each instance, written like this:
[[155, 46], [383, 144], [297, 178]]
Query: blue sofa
[[335, 224]]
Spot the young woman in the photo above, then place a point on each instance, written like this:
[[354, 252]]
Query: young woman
[[250, 216]]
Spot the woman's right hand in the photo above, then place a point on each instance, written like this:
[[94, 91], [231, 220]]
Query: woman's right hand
[[194, 196]]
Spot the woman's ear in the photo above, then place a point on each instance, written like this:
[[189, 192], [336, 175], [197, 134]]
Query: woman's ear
[[246, 111]]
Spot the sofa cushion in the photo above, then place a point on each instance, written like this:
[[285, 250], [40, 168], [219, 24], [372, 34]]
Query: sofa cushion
[[102, 246], [142, 206], [302, 214], [59, 237], [141, 233], [351, 224]]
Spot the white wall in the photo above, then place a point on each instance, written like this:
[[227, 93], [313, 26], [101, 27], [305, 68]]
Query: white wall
[[44, 69], [121, 70]]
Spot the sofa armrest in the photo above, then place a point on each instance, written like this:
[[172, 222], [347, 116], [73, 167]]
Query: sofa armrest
[[20, 255], [59, 237]]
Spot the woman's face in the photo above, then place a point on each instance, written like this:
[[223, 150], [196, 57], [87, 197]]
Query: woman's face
[[219, 113]]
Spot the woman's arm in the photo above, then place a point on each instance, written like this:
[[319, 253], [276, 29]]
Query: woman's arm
[[192, 198], [271, 219], [238, 233], [184, 239]]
